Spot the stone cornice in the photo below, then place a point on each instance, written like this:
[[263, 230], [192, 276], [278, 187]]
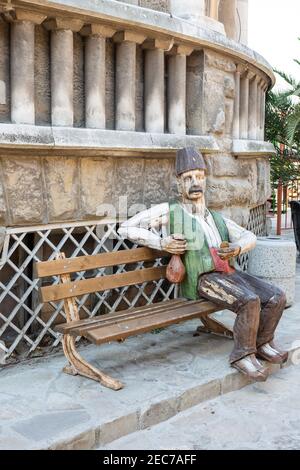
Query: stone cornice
[[29, 140], [252, 149], [145, 21]]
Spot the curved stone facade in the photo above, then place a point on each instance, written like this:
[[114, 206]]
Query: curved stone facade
[[95, 100]]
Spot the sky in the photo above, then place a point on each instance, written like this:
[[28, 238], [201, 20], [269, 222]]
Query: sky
[[274, 26]]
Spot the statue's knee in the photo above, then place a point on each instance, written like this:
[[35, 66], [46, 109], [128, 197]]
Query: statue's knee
[[279, 299], [252, 301]]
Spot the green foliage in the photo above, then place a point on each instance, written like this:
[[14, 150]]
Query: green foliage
[[293, 118], [283, 169]]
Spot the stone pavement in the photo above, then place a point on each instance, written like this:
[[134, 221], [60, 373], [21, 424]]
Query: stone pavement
[[164, 373], [261, 416]]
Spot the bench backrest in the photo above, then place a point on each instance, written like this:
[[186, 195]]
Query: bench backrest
[[65, 266]]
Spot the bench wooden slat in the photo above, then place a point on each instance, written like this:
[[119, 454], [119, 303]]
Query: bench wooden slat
[[77, 288], [136, 326], [102, 260], [65, 328], [81, 330]]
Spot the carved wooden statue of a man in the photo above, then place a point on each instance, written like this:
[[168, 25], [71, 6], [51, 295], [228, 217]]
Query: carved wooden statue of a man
[[258, 305]]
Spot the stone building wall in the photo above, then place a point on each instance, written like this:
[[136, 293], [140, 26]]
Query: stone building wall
[[51, 186]]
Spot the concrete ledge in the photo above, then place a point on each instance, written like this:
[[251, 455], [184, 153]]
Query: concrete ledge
[[121, 14], [86, 142], [252, 148]]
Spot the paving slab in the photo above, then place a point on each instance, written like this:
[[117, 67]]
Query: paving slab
[[164, 373]]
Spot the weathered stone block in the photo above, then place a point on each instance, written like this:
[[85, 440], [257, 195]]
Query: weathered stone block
[[227, 192], [157, 181], [196, 395], [159, 412], [234, 381], [263, 181], [214, 106], [228, 116], [120, 427], [23, 183], [96, 183], [61, 177], [217, 61], [222, 165], [84, 441], [229, 86], [240, 215], [129, 180]]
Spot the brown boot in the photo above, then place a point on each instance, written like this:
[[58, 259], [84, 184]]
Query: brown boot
[[269, 352], [252, 368]]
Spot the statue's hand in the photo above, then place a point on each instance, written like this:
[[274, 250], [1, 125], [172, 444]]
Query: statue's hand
[[231, 250], [174, 244]]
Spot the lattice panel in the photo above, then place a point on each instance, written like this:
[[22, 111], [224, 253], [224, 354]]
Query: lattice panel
[[257, 224], [26, 325]]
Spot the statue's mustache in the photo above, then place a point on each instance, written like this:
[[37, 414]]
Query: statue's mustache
[[196, 189]]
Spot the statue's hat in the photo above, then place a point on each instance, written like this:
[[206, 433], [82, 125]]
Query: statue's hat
[[188, 159]]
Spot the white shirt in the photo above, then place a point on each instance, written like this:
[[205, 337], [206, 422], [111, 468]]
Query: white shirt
[[138, 229]]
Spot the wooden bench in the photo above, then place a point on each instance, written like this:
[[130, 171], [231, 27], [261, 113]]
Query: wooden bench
[[118, 325]]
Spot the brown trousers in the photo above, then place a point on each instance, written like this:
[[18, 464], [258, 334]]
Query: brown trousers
[[257, 304]]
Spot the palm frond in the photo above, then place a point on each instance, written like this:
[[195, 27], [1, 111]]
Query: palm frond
[[287, 78], [293, 124]]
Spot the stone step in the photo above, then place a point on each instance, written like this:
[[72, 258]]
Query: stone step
[[261, 416]]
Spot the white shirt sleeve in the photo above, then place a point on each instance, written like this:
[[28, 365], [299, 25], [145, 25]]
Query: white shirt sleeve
[[138, 228], [243, 237]]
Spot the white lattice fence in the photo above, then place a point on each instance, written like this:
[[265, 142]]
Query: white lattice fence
[[26, 325], [257, 224]]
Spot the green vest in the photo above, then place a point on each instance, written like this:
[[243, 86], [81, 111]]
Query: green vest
[[197, 259]]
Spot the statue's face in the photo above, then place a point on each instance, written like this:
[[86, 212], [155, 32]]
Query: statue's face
[[192, 184]]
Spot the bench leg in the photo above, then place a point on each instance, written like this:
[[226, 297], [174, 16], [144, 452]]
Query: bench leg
[[210, 325], [81, 367]]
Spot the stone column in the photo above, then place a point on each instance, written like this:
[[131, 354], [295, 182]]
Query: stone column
[[253, 124], [177, 89], [95, 72], [155, 84], [22, 65], [228, 16], [263, 110], [260, 82], [237, 99], [214, 9], [126, 78], [191, 10], [62, 64], [244, 105]]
